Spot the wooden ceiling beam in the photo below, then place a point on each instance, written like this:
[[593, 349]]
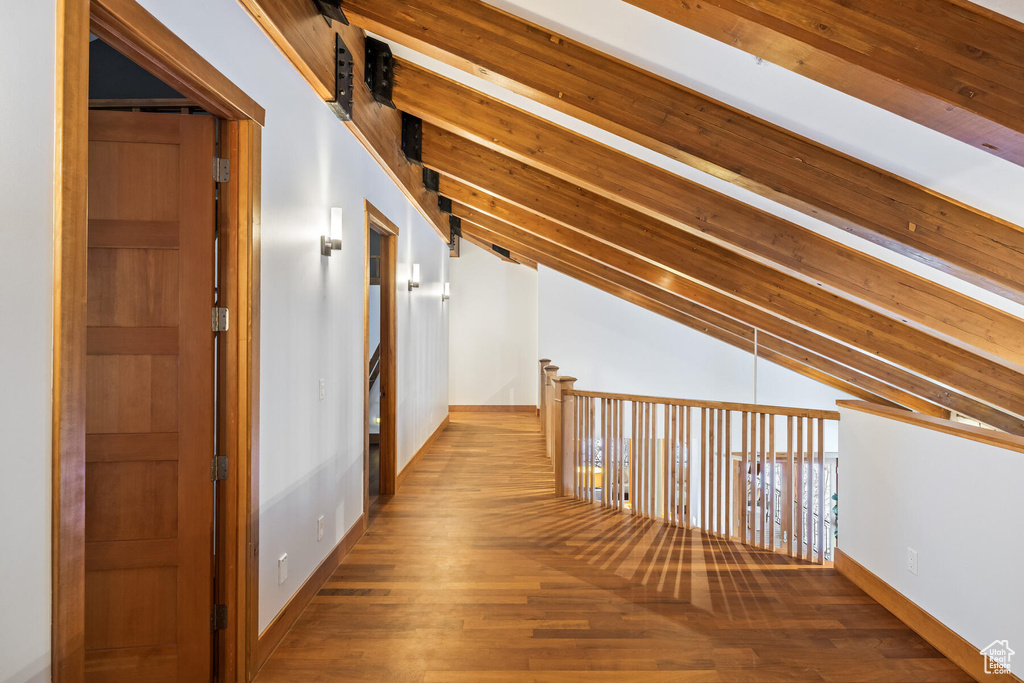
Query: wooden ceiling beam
[[524, 229], [709, 135], [615, 227], [301, 33], [952, 66], [764, 350], [687, 205]]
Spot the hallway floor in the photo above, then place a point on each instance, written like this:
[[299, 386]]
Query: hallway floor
[[475, 572]]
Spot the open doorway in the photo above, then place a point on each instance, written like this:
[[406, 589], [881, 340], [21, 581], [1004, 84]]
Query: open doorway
[[153, 555], [380, 453]]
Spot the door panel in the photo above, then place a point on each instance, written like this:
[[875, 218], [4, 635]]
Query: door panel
[[149, 398]]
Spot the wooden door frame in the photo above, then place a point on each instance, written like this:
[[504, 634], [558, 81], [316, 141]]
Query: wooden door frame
[[125, 25], [376, 221]]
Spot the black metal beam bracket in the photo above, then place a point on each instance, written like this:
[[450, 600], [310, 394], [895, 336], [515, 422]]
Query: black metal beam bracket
[[431, 180], [412, 138], [380, 65], [444, 203], [331, 11], [343, 75]]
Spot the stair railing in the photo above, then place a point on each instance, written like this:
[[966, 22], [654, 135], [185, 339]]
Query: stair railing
[[754, 473]]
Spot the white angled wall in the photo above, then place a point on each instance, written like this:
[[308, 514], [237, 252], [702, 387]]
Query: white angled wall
[[956, 502], [493, 348], [612, 345], [26, 334]]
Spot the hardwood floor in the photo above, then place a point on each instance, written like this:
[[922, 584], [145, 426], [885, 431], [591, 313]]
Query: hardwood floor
[[475, 572]]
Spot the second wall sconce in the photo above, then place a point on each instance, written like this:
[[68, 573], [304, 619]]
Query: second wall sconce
[[446, 293], [328, 242], [415, 281]]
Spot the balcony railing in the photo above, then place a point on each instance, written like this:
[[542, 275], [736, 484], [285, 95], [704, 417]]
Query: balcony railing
[[754, 473]]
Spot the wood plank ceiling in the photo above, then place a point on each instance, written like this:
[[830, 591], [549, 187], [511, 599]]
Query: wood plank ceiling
[[544, 193]]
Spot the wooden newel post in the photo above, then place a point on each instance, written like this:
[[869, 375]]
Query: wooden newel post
[[541, 396], [564, 435], [548, 418]]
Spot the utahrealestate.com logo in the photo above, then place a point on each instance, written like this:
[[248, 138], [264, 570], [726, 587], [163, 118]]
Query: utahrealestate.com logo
[[997, 657]]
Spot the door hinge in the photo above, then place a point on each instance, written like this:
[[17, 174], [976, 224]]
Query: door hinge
[[221, 170], [219, 468], [219, 319], [219, 618]]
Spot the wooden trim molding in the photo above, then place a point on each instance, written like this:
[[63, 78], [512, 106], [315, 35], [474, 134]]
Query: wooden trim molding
[[937, 424], [70, 221], [941, 637], [531, 408], [129, 28], [375, 220], [286, 618], [414, 461]]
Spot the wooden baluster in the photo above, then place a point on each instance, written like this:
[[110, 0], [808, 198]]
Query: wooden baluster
[[593, 449], [648, 497], [703, 468], [688, 505], [821, 491], [663, 452], [577, 451], [798, 465], [755, 490], [620, 446], [641, 447], [632, 459], [605, 446], [787, 492], [613, 454], [652, 461], [811, 431], [717, 470], [744, 471], [681, 412], [772, 499], [729, 520]]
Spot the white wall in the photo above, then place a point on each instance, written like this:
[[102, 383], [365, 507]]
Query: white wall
[[956, 502], [312, 307], [26, 304], [493, 347], [612, 345]]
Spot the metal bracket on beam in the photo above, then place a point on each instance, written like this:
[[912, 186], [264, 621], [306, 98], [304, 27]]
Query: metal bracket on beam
[[379, 69], [444, 203], [343, 74], [431, 180], [331, 10], [412, 138], [504, 252], [455, 232]]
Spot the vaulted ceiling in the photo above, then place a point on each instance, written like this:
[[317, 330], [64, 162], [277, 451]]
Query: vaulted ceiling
[[848, 189]]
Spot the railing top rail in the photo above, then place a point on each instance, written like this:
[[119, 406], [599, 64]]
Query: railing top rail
[[715, 405]]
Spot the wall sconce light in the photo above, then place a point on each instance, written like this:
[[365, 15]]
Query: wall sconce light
[[415, 281], [328, 242], [446, 293]]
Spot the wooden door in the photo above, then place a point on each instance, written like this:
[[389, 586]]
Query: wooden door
[[149, 507]]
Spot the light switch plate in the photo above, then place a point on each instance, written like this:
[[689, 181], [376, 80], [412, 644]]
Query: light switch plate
[[282, 569], [320, 528]]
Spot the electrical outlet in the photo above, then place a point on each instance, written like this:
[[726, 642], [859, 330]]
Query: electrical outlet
[[323, 388], [320, 528], [912, 561], [282, 569]]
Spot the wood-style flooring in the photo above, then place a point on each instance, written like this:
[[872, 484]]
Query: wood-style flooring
[[475, 572]]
